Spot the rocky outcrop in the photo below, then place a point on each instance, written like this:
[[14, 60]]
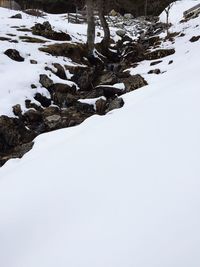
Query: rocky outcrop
[[133, 82], [14, 55], [159, 53], [45, 30], [71, 50], [13, 134]]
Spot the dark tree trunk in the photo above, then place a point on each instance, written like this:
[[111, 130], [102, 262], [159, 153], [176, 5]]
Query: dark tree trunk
[[104, 24], [91, 27]]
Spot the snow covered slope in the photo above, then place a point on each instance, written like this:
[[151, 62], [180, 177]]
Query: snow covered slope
[[16, 77], [119, 190]]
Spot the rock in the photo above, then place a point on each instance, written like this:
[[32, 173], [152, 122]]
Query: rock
[[13, 133], [29, 104], [77, 52], [113, 13], [101, 106], [109, 91], [121, 33], [46, 31], [133, 53], [17, 110], [134, 82], [108, 78], [17, 152], [170, 62], [64, 88], [156, 71], [45, 81], [84, 107], [195, 39], [28, 39], [64, 95], [33, 116], [182, 34], [64, 100], [115, 104], [17, 16], [75, 115], [5, 39], [128, 16], [151, 41], [155, 62], [60, 71], [95, 93], [14, 55], [43, 100], [50, 111], [160, 53], [84, 78], [33, 86], [53, 122], [32, 61]]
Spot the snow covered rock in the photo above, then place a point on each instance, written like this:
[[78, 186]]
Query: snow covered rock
[[14, 55]]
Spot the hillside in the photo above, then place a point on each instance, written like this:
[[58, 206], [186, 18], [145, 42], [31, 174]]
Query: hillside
[[117, 190]]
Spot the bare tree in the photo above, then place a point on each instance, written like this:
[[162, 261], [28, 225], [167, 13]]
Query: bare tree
[[91, 26], [100, 5], [101, 13], [167, 11]]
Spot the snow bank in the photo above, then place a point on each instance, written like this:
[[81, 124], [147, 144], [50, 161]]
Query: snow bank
[[119, 190], [177, 9]]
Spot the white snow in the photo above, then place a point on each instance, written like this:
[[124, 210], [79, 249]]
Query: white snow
[[177, 9], [118, 190]]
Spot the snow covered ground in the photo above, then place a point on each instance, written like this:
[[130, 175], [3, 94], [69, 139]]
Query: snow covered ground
[[118, 190], [16, 77]]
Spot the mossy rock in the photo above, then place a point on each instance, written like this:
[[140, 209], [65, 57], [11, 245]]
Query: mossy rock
[[71, 50]]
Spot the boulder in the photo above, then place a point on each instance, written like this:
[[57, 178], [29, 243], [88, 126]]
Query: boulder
[[53, 122], [121, 33], [60, 71], [63, 95], [16, 16], [107, 77], [16, 152], [115, 104], [14, 55], [45, 81], [46, 31], [52, 110], [113, 13], [159, 53], [134, 82], [76, 114], [101, 106], [109, 91], [17, 110], [128, 16], [75, 51], [32, 105], [43, 100], [84, 78], [133, 52], [33, 116], [95, 93], [13, 133]]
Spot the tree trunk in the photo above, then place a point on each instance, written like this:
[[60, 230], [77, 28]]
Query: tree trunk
[[91, 26], [104, 24]]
